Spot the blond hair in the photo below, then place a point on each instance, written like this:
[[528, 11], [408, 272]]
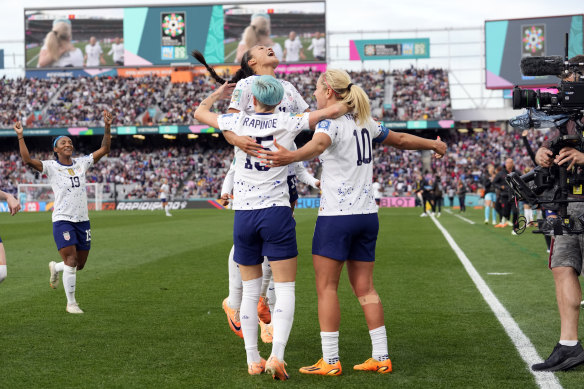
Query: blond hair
[[352, 95], [259, 26], [56, 38]]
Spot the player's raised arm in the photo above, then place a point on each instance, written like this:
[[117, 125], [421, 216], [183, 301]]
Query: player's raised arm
[[203, 112], [34, 163], [107, 138]]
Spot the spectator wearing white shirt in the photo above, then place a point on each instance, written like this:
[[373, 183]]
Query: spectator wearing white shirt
[[293, 48], [118, 52], [93, 53], [318, 46]]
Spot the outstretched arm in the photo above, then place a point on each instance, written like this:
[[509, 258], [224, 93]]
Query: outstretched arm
[[13, 204], [401, 140], [334, 111], [107, 138], [34, 163]]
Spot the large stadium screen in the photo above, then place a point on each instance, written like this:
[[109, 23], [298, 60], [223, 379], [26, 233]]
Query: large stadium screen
[[161, 36], [508, 41]]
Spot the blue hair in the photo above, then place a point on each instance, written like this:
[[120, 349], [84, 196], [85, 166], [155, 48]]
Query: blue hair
[[267, 90]]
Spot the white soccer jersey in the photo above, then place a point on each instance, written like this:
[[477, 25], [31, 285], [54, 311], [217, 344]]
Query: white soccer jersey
[[68, 183], [164, 190], [118, 52], [318, 47], [72, 58], [242, 98], [347, 167], [93, 53], [292, 49], [256, 186]]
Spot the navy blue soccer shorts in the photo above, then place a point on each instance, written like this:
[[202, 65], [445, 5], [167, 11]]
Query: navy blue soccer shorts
[[346, 237], [72, 234], [269, 232]]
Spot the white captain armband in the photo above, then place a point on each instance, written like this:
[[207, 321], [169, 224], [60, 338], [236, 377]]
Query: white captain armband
[[384, 133]]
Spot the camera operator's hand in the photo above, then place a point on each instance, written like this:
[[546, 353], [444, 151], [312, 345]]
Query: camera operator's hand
[[544, 157], [568, 154]]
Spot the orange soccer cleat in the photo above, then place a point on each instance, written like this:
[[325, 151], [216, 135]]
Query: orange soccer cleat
[[233, 319], [322, 368], [264, 310], [382, 367], [267, 332], [277, 369], [256, 368]]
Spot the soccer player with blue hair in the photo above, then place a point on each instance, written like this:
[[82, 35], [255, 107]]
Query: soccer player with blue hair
[[263, 224]]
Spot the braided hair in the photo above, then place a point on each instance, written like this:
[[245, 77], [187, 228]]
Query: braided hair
[[243, 72]]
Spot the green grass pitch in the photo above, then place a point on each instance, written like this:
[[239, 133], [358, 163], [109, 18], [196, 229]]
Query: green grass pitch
[[153, 286]]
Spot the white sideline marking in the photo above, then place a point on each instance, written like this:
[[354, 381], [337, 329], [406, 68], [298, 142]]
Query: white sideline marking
[[460, 217], [522, 343]]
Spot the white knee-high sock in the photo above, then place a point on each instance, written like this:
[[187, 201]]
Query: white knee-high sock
[[330, 347], [248, 315], [271, 295], [379, 343], [267, 276], [235, 287], [69, 281], [3, 272], [59, 266], [283, 316]]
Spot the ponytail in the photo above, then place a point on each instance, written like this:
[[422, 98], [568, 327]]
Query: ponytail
[[243, 72], [61, 32], [347, 92]]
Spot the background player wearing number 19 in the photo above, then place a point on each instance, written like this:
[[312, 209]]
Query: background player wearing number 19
[[71, 229]]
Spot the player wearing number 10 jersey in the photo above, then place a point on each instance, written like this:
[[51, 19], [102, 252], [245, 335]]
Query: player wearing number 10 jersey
[[347, 225], [71, 228]]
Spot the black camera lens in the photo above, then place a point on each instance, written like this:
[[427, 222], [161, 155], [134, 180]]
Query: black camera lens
[[524, 98]]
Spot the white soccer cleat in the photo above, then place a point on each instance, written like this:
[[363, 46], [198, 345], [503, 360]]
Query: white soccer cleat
[[54, 279], [74, 308]]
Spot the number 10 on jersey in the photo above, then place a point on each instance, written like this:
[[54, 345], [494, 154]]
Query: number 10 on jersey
[[363, 149]]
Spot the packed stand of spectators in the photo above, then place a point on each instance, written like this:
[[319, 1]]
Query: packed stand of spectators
[[466, 161], [82, 101], [22, 97], [419, 94]]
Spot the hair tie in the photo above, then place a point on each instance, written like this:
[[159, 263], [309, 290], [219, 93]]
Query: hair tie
[[349, 86], [56, 140]]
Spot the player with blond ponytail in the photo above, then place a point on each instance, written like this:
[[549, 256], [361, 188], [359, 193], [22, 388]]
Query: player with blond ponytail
[[347, 225]]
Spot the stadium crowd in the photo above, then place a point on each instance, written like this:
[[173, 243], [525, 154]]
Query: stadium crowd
[[197, 169], [417, 95]]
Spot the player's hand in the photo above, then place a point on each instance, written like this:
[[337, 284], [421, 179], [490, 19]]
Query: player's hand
[[18, 128], [571, 155], [13, 204], [107, 117], [224, 199], [544, 157], [282, 157], [439, 148], [247, 145], [225, 90], [317, 184]]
